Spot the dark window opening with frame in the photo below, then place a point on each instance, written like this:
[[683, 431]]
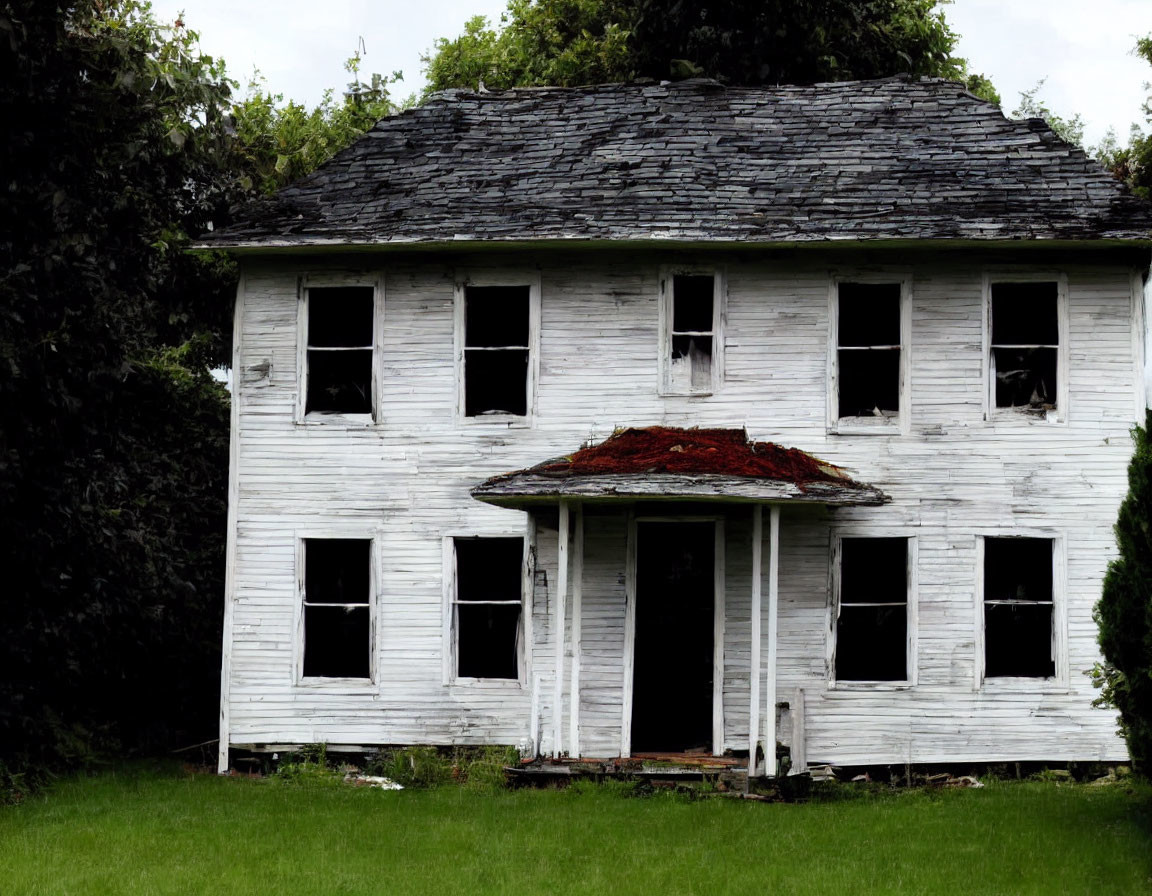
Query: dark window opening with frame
[[487, 606], [1025, 342], [693, 333], [868, 349], [496, 350], [337, 592], [339, 349], [1019, 636], [872, 610]]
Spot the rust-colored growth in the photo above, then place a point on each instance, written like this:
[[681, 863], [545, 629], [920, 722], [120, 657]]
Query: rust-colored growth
[[723, 452]]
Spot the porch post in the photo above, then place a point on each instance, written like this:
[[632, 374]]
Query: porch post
[[558, 613], [773, 605], [754, 661], [577, 595]]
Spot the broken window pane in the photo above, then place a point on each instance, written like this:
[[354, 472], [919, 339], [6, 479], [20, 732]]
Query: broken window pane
[[339, 382], [340, 316], [692, 303], [872, 617], [869, 383], [1025, 337], [339, 356], [337, 590], [496, 353], [869, 314], [868, 352], [496, 316], [1018, 607], [496, 382], [336, 642], [488, 604]]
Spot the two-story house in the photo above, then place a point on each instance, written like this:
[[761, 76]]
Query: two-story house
[[669, 418]]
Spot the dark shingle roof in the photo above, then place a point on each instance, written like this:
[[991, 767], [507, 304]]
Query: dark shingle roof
[[694, 161]]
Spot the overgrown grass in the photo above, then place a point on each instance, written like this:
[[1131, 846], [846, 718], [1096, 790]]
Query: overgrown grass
[[166, 832]]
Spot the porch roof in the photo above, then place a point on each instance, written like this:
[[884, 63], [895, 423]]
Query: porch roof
[[667, 463]]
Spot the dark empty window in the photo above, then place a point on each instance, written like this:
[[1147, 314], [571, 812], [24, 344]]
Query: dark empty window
[[1025, 344], [496, 350], [488, 606], [693, 333], [340, 328], [1018, 606], [868, 349], [337, 590], [872, 620]]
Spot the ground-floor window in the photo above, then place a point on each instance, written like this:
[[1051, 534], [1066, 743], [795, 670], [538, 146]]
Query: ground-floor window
[[871, 600], [1019, 608], [487, 607], [336, 607]]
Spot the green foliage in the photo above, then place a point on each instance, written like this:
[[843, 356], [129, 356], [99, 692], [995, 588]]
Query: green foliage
[[309, 766], [113, 436], [1031, 106], [278, 142], [573, 42], [479, 768], [1124, 612], [1133, 163]]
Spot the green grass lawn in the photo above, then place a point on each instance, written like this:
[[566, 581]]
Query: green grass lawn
[[167, 832]]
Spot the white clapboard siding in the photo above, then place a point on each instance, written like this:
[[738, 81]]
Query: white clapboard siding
[[404, 482]]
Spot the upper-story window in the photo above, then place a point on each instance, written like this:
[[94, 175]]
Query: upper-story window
[[691, 324], [498, 325], [1027, 347], [339, 352], [868, 356]]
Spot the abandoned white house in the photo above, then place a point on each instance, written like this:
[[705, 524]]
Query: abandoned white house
[[946, 307]]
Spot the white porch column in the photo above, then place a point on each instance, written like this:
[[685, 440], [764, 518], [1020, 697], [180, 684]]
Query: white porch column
[[558, 613], [754, 661], [773, 606], [577, 595]]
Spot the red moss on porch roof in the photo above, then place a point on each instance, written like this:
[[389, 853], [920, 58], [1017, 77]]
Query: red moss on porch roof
[[721, 452]]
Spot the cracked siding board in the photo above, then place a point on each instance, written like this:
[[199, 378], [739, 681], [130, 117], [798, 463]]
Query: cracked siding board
[[951, 477]]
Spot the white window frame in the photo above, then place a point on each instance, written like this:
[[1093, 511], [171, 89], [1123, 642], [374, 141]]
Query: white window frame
[[902, 422], [510, 278], [375, 281], [666, 319], [1024, 415], [450, 630], [1059, 680], [911, 637], [326, 682]]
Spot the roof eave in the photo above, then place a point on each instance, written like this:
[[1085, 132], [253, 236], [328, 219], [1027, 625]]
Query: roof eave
[[319, 245], [527, 489]]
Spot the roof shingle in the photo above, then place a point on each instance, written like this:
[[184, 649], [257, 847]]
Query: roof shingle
[[695, 161]]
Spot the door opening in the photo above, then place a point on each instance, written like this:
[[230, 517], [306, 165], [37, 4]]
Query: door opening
[[673, 653]]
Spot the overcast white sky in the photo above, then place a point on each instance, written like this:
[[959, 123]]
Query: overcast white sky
[[1082, 47]]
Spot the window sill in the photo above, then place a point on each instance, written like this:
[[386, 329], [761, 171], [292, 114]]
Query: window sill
[[671, 394], [870, 686], [364, 686], [866, 426], [488, 684], [348, 421], [1018, 684], [498, 421], [1024, 417]]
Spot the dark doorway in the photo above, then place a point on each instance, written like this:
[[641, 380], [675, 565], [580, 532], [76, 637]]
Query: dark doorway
[[672, 656]]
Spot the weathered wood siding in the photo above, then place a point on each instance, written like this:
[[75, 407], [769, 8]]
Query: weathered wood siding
[[404, 482]]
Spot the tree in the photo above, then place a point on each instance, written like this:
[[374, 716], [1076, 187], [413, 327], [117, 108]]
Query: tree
[[573, 42], [1133, 163], [113, 435], [1124, 613]]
